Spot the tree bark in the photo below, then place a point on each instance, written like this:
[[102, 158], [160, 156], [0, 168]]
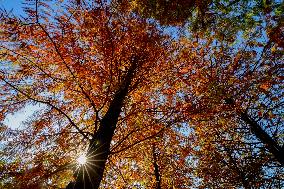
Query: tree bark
[[89, 176], [273, 147], [156, 169]]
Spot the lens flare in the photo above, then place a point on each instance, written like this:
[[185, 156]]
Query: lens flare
[[82, 159]]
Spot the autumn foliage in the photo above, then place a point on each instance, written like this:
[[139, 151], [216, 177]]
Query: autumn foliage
[[200, 108]]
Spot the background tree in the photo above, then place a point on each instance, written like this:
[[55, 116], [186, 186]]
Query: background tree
[[168, 12], [232, 98], [226, 19]]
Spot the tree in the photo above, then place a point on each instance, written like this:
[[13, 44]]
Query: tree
[[224, 21], [82, 64], [148, 110], [168, 12], [227, 19], [229, 94]]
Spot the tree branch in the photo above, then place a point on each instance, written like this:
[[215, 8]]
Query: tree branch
[[63, 60], [47, 103], [270, 144]]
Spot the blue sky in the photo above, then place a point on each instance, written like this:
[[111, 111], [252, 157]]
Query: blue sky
[[16, 5], [15, 120]]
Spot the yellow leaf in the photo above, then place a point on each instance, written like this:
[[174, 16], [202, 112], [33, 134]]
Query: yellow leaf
[[195, 44]]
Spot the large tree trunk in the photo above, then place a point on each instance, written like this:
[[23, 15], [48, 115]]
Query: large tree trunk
[[272, 146], [90, 175]]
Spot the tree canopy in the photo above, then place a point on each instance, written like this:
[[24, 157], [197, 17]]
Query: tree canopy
[[149, 93]]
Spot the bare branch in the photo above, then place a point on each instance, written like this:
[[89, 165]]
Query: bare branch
[[47, 103]]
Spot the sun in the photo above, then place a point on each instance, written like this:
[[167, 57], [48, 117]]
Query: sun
[[82, 159]]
